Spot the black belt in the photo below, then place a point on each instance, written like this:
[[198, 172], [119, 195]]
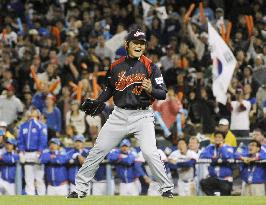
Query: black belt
[[135, 107], [31, 150]]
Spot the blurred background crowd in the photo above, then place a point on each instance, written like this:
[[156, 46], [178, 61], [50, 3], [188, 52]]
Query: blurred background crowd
[[54, 54]]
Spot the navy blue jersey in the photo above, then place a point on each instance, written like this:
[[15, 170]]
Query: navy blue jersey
[[124, 79]]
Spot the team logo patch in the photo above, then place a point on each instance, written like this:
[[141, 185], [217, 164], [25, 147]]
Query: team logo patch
[[44, 131], [34, 130], [25, 130], [159, 80], [230, 150]]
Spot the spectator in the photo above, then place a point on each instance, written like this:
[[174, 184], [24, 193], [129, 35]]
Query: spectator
[[240, 109], [95, 125], [166, 60], [102, 51], [64, 104], [206, 112], [230, 138], [50, 77], [166, 112], [10, 105], [124, 159], [260, 98], [259, 136], [76, 117], [220, 180], [219, 19], [32, 140], [8, 161], [70, 72], [261, 122], [55, 169], [184, 161], [76, 156], [4, 127], [252, 173], [67, 139], [53, 116]]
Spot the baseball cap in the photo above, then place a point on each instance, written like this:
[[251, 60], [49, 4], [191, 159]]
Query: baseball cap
[[33, 32], [43, 32], [11, 140], [80, 138], [125, 142], [136, 34], [223, 121], [3, 124], [219, 10], [55, 141]]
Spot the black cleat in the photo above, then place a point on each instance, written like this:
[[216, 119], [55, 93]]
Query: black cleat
[[168, 194], [74, 194]]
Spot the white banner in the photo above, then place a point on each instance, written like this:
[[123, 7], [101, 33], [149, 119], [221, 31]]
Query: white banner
[[116, 41], [224, 64]]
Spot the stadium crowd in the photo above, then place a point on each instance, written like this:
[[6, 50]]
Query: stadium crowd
[[53, 54]]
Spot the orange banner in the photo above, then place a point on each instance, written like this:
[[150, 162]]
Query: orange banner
[[228, 31], [54, 86], [35, 78], [202, 15], [189, 12]]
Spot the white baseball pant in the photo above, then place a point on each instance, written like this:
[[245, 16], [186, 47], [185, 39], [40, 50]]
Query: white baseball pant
[[121, 123], [99, 188], [128, 189], [186, 188], [7, 188], [61, 190]]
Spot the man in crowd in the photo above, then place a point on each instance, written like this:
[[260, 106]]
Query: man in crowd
[[8, 161], [184, 161], [32, 140], [220, 180], [253, 173], [55, 168], [230, 138], [240, 109], [76, 156], [10, 105], [124, 159]]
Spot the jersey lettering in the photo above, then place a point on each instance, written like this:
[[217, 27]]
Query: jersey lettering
[[125, 81]]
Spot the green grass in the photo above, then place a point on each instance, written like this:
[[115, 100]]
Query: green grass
[[124, 200]]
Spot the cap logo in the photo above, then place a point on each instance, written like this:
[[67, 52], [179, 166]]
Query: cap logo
[[139, 33]]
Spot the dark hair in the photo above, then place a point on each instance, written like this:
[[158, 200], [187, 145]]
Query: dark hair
[[257, 129], [181, 139], [257, 143], [217, 132]]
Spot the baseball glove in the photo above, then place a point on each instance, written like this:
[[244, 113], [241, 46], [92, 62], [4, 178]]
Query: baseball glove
[[92, 107]]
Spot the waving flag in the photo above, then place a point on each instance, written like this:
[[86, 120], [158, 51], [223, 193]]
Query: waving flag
[[224, 64]]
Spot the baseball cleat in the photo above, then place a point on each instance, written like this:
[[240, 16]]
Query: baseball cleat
[[74, 194], [168, 194]]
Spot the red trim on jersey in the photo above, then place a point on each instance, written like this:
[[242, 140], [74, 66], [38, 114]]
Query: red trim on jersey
[[120, 60], [147, 62]]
